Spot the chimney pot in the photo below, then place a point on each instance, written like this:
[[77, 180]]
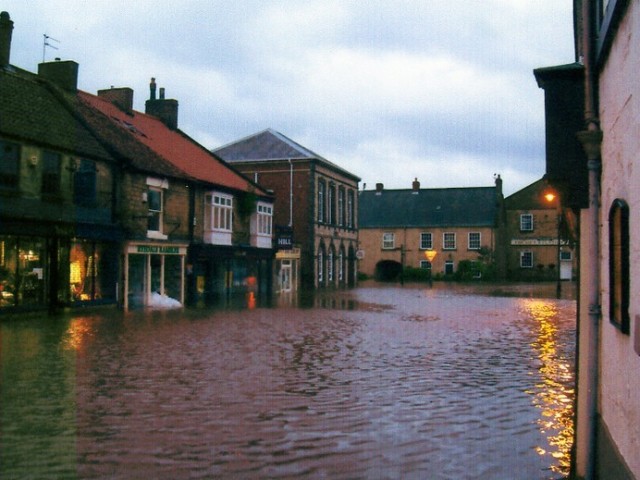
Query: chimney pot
[[415, 185], [379, 187], [152, 89], [161, 93]]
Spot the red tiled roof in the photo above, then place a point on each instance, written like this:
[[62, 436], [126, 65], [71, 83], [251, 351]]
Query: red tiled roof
[[173, 146]]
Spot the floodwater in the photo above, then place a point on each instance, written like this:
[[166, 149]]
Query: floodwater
[[377, 382]]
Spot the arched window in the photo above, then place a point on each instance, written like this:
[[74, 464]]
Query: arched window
[[619, 265], [320, 266], [330, 264]]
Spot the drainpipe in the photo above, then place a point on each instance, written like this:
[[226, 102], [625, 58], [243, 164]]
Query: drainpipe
[[589, 342], [290, 192]]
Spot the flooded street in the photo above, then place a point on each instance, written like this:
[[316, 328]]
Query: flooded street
[[377, 382]]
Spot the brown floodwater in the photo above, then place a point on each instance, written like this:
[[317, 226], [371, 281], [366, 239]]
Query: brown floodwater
[[381, 382]]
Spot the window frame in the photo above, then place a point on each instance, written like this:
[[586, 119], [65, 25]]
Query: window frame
[[264, 219], [388, 238], [619, 266], [528, 224], [449, 243], [322, 186], [526, 254], [10, 153], [426, 244], [51, 173], [470, 244]]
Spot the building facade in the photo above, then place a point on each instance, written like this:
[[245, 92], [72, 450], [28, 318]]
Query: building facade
[[402, 228], [538, 236], [316, 209], [104, 204], [602, 185]]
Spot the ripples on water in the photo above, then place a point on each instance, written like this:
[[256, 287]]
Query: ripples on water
[[372, 383]]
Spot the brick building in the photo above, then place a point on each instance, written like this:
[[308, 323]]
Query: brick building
[[316, 206]]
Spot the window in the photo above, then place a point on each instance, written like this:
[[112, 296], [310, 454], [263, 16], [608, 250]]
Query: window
[[331, 207], [449, 241], [218, 212], [341, 213], [526, 259], [388, 240], [321, 189], [341, 265], [619, 265], [426, 241], [155, 201], [9, 164], [350, 209], [265, 218], [321, 265], [85, 184], [526, 222], [474, 240], [566, 256], [51, 173], [330, 266], [426, 264]]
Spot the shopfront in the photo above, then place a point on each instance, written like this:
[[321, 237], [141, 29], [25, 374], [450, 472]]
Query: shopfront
[[154, 275], [38, 272]]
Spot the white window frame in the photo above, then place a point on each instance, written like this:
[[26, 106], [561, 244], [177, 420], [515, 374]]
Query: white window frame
[[218, 218], [350, 202], [526, 222], [156, 185], [388, 241], [526, 254], [322, 188], [341, 202], [426, 241], [330, 266], [449, 243], [475, 244], [320, 267]]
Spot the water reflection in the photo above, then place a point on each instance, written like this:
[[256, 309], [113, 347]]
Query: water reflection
[[554, 394], [370, 383]]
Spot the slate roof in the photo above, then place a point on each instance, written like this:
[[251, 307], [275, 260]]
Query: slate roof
[[31, 111], [436, 207], [268, 146]]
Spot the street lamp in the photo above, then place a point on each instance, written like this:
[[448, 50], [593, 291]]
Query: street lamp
[[430, 255], [550, 196]]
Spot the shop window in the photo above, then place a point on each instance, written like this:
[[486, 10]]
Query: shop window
[[9, 164], [474, 240], [526, 222], [51, 173], [388, 241], [92, 271], [619, 265], [449, 241], [426, 241], [85, 184], [22, 271]]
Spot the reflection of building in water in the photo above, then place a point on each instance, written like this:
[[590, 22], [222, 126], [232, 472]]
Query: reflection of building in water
[[553, 395]]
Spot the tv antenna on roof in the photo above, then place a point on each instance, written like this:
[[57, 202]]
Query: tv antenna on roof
[[45, 44]]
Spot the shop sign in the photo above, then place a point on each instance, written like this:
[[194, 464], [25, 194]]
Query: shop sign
[[540, 242], [284, 238], [157, 249]]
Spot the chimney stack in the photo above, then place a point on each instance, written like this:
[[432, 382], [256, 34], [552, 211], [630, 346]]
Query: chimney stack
[[6, 31], [62, 73], [165, 109], [120, 97], [415, 185], [379, 188]]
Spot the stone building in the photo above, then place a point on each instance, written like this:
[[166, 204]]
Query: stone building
[[316, 208]]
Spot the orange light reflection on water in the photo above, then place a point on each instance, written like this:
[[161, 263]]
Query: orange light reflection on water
[[554, 395]]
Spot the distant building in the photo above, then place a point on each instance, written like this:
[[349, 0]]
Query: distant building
[[595, 102], [399, 227], [534, 227], [316, 209]]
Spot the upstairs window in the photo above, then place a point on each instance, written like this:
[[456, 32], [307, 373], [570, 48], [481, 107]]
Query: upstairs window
[[341, 204], [474, 240], [449, 241], [51, 173], [265, 218], [619, 265], [85, 184], [155, 202], [331, 204], [321, 190], [9, 164], [426, 241], [388, 241], [218, 212], [526, 222], [350, 209]]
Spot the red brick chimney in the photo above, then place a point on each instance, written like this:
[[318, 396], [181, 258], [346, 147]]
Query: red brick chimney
[[165, 109], [121, 97], [6, 31]]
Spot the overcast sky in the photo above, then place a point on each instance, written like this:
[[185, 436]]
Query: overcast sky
[[390, 90]]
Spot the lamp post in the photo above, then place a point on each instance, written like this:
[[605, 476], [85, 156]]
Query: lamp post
[[430, 255], [550, 196]]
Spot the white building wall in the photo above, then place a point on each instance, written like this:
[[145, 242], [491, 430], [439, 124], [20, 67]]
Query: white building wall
[[620, 121]]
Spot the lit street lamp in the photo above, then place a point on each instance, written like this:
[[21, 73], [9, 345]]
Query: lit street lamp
[[430, 255], [550, 196]]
